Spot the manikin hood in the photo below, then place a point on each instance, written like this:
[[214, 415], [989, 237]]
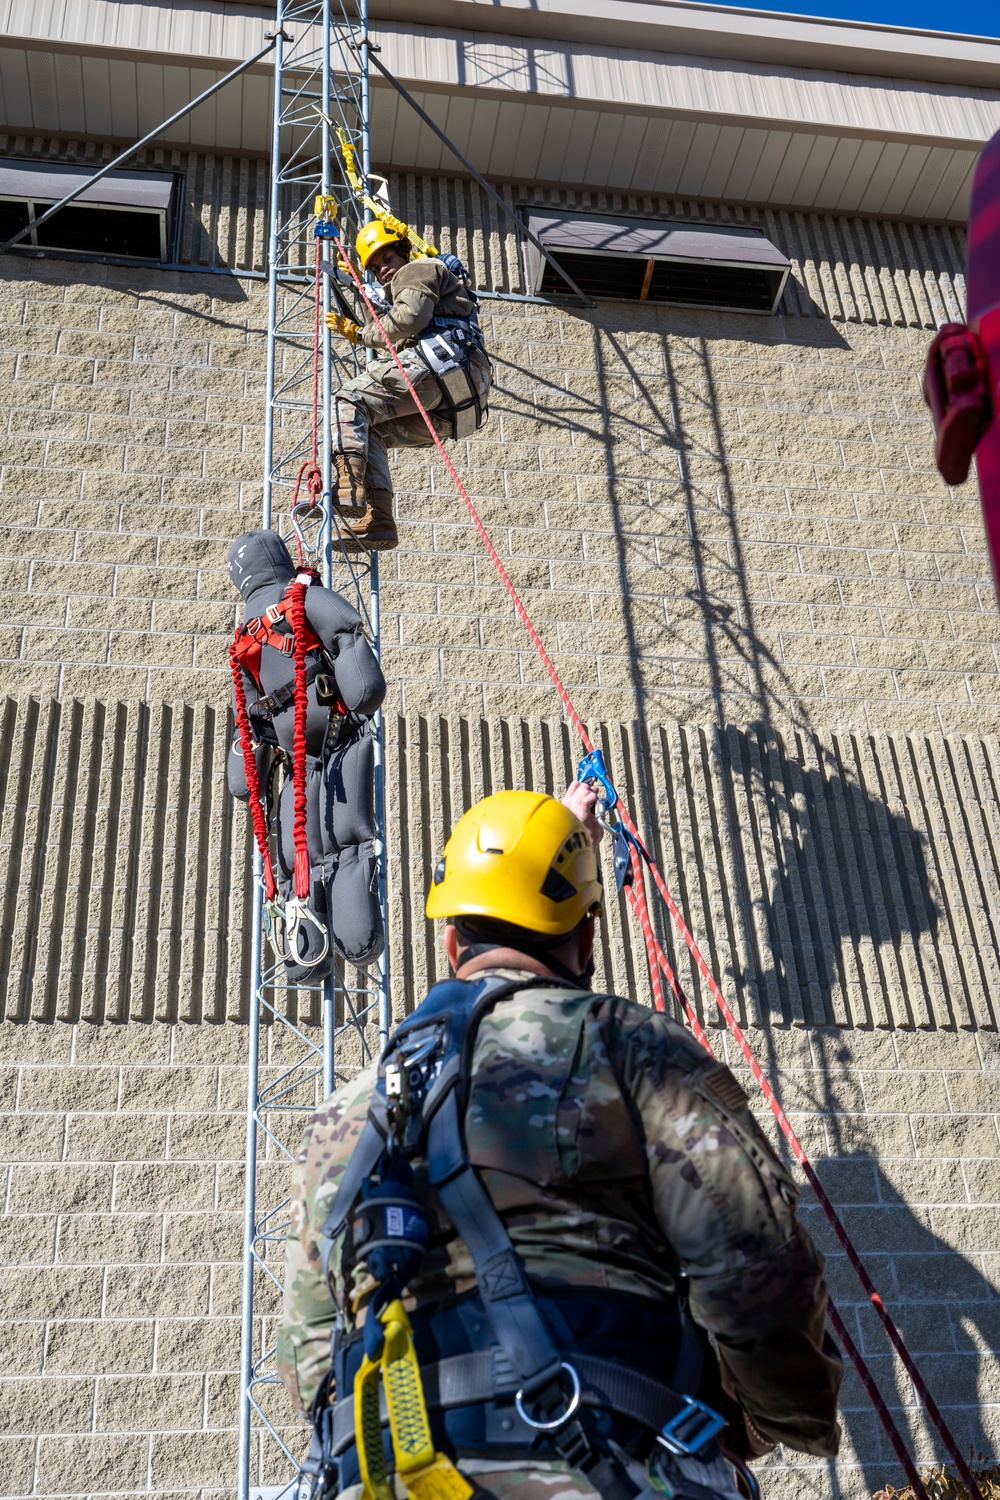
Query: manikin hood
[[259, 560]]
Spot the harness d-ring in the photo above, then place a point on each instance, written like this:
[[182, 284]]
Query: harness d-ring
[[571, 1405], [298, 916]]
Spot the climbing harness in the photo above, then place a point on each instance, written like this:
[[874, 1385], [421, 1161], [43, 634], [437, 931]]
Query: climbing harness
[[656, 955], [284, 628], [526, 1391], [446, 354]]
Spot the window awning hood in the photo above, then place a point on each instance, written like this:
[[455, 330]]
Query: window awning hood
[[709, 259], [48, 182]]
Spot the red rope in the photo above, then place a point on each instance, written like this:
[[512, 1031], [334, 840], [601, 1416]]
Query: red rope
[[250, 771], [298, 615], [799, 1152], [309, 468]]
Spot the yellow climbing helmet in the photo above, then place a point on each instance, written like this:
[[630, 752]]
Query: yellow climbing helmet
[[374, 237], [522, 858]]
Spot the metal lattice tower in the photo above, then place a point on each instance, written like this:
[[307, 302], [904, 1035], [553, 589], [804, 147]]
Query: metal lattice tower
[[302, 1041]]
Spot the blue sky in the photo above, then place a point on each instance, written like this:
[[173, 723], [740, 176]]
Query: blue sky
[[973, 17]]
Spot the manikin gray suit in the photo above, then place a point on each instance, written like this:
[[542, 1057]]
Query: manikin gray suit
[[340, 770]]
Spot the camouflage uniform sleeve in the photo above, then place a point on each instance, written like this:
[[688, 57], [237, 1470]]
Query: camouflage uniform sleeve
[[416, 291], [308, 1308], [726, 1205], [308, 1311]]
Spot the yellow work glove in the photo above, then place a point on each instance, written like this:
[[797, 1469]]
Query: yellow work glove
[[337, 323]]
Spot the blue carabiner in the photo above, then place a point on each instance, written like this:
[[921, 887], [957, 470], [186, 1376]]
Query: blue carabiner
[[592, 768]]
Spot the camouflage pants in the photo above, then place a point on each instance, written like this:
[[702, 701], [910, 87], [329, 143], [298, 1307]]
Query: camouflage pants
[[556, 1481], [375, 411]]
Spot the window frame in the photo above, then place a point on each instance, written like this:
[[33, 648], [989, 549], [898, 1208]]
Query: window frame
[[760, 254], [166, 215]]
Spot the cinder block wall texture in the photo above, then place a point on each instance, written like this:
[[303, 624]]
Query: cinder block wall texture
[[781, 624]]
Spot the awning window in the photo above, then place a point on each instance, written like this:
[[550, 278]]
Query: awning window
[[731, 268], [126, 213]]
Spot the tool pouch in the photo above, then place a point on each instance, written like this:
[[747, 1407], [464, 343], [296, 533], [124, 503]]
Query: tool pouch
[[446, 355]]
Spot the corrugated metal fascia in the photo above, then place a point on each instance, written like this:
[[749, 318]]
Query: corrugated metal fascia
[[638, 80], [219, 31]]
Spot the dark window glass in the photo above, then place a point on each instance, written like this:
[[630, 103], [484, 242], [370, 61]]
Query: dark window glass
[[105, 231], [718, 286], [694, 283], [13, 216], [599, 275]]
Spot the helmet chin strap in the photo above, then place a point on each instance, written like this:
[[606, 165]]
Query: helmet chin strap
[[487, 939]]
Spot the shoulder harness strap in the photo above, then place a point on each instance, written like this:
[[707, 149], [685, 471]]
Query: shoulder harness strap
[[265, 630]]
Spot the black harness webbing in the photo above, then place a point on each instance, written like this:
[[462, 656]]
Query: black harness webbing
[[510, 1305], [469, 1379], [526, 1363]]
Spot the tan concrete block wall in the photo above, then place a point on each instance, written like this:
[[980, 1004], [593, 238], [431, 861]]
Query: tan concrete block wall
[[709, 515], [713, 520], [120, 1244], [846, 879]]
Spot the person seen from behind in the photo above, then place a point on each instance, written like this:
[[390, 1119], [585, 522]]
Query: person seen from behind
[[634, 1307]]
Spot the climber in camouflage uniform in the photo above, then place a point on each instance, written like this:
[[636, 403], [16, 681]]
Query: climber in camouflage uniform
[[642, 1199], [430, 312]]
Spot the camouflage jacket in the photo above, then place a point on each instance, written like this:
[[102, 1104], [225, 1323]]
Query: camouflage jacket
[[618, 1153], [419, 291]]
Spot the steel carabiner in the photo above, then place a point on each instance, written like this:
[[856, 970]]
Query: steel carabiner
[[298, 918]]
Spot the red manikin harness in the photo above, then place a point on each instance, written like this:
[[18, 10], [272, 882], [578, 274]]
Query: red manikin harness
[[296, 640], [253, 635]]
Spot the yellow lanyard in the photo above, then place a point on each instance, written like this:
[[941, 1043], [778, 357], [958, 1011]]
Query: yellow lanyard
[[373, 206], [424, 1473]]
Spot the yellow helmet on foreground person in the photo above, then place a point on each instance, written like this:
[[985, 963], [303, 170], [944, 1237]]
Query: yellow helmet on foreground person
[[519, 858], [372, 238]]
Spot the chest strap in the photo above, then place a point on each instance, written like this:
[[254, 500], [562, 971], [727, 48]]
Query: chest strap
[[327, 694]]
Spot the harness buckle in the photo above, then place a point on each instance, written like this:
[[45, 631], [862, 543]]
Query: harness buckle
[[691, 1429], [273, 613], [571, 1405]]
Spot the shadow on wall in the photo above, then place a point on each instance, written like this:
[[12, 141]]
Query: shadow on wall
[[946, 1309], [802, 859]]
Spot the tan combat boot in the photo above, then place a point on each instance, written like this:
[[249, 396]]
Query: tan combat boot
[[376, 531], [349, 495]]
